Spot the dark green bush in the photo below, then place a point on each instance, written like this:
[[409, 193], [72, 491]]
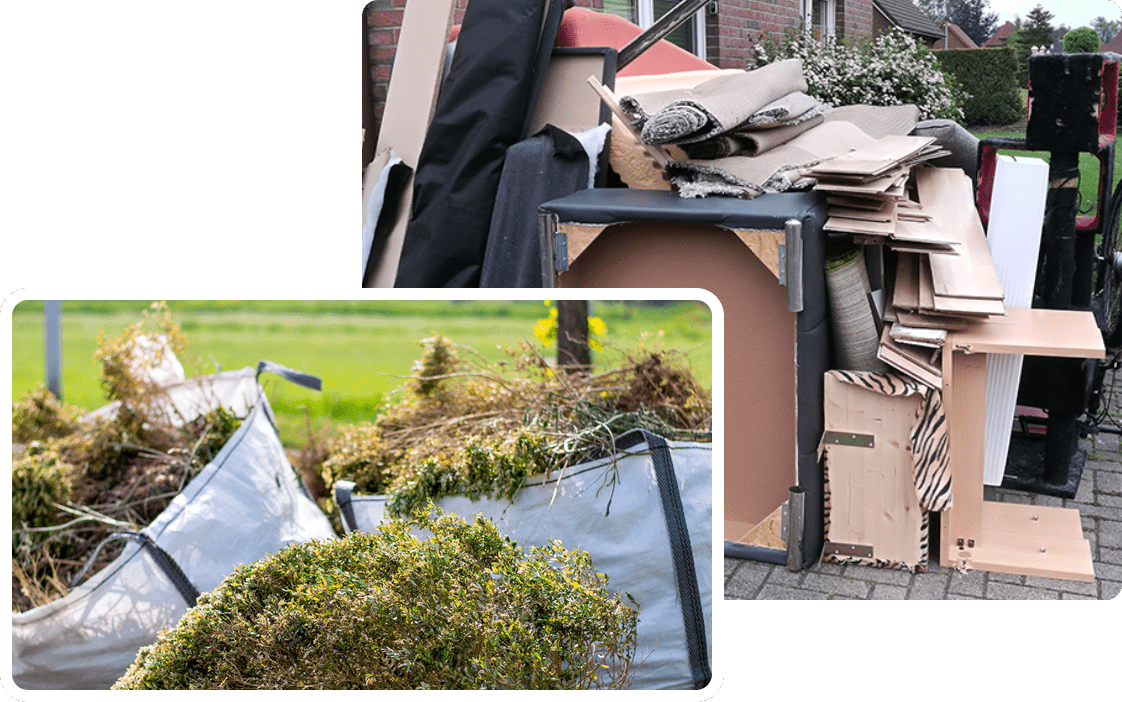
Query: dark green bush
[[989, 76], [1083, 40], [466, 609]]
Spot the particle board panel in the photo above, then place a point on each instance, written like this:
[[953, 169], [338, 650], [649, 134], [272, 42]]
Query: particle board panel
[[761, 454], [872, 490], [931, 321], [882, 155], [410, 103], [1005, 537], [1029, 540], [947, 195], [1035, 332], [768, 533], [765, 244]]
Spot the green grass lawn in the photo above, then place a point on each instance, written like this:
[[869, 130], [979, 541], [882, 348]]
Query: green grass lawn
[[358, 348], [1088, 168]]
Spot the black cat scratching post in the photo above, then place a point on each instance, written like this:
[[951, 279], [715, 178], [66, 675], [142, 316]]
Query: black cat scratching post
[[1064, 105]]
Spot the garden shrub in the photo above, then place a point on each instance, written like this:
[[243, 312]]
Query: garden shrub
[[890, 69], [1082, 40], [463, 426], [39, 415], [79, 479], [990, 78], [40, 480], [466, 609]]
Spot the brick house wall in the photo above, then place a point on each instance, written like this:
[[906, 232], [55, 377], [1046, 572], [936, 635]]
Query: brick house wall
[[739, 25], [730, 35], [855, 19]]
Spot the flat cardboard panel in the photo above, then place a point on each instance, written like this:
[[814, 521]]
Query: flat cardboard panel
[[566, 100], [872, 490], [760, 374], [410, 103]]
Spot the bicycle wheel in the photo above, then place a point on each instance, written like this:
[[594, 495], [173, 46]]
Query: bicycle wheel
[[1108, 276]]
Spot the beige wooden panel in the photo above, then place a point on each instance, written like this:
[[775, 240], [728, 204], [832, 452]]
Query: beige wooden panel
[[872, 490], [1029, 540], [947, 195], [410, 102], [760, 373], [765, 244], [1037, 332]]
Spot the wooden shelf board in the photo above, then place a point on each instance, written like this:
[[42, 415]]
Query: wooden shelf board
[[1036, 332], [1011, 541]]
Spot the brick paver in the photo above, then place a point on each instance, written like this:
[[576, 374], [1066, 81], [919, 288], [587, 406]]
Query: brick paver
[[1098, 499]]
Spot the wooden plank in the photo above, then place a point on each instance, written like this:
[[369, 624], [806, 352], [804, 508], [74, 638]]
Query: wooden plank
[[947, 195], [931, 321], [1036, 332], [926, 232], [1030, 540], [926, 287], [881, 211], [908, 360], [656, 152], [968, 307], [859, 226], [858, 203], [905, 294], [410, 103], [873, 496], [882, 155]]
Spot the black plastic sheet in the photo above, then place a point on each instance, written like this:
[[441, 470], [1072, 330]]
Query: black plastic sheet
[[484, 108]]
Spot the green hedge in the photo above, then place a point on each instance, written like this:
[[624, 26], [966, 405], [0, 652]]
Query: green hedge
[[1082, 40], [989, 76]]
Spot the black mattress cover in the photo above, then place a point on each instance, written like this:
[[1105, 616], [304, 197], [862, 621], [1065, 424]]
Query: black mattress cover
[[616, 205]]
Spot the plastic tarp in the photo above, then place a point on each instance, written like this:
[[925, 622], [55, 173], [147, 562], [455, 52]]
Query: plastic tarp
[[247, 503], [628, 539]]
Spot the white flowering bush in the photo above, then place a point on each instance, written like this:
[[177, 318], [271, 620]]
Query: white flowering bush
[[891, 69]]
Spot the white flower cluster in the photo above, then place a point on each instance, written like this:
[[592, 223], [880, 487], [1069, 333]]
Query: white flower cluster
[[892, 69]]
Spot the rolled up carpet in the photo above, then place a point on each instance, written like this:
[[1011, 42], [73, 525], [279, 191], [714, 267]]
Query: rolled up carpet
[[851, 317], [715, 106]]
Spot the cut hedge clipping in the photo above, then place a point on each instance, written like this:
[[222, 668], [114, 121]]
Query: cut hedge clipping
[[465, 609]]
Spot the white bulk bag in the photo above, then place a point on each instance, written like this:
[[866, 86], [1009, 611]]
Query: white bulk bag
[[632, 542], [247, 503]]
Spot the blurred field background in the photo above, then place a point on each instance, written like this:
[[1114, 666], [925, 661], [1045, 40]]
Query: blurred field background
[[359, 348]]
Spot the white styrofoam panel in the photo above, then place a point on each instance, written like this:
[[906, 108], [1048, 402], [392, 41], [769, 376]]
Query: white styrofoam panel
[[1016, 221]]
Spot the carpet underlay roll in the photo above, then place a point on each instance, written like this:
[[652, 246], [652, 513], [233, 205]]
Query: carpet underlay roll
[[715, 106], [780, 169], [851, 316]]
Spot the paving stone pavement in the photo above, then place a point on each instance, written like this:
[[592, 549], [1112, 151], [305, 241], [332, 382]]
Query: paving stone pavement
[[1098, 499]]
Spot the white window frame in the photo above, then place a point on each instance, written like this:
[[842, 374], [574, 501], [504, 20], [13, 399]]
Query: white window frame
[[645, 18], [829, 15]]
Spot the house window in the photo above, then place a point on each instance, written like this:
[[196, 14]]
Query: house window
[[820, 17], [690, 35]]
